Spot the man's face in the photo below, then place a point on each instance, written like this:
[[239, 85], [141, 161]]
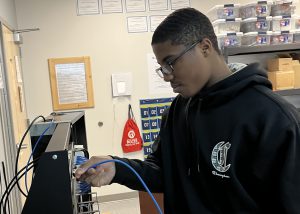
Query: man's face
[[191, 71]]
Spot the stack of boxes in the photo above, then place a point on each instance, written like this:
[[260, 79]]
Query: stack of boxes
[[297, 29], [280, 73], [296, 68], [257, 23], [283, 22], [270, 22], [284, 73], [226, 22]]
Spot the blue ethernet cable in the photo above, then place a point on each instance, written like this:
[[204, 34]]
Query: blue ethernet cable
[[37, 142], [83, 186], [137, 175]]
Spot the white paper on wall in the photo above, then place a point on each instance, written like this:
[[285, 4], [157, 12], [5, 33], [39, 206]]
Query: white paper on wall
[[157, 85]]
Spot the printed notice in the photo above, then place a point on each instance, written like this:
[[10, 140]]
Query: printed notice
[[112, 6], [158, 5], [18, 69], [137, 24], [177, 4], [87, 7], [155, 21], [157, 85], [135, 6], [71, 83]]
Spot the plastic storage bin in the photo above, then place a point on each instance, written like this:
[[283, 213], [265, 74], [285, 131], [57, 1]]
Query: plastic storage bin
[[281, 8], [259, 24], [296, 37], [227, 25], [226, 11], [282, 23], [256, 38], [256, 9], [296, 19], [283, 37], [229, 39]]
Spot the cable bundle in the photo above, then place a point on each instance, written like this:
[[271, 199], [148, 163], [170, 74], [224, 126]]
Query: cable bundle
[[13, 182], [19, 149], [82, 186], [135, 173], [18, 174]]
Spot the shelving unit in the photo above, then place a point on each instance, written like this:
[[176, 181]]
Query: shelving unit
[[292, 95], [233, 51]]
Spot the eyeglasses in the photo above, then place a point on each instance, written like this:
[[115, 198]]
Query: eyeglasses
[[169, 67]]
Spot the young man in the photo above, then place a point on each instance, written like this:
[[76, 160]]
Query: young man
[[227, 144]]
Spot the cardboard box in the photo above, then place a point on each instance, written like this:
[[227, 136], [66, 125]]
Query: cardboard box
[[296, 69], [280, 64], [295, 62], [282, 80]]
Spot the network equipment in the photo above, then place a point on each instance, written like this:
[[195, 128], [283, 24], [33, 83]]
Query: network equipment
[[60, 144]]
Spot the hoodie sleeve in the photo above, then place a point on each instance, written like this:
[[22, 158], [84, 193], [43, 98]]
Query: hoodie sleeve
[[278, 170], [149, 170], [288, 174]]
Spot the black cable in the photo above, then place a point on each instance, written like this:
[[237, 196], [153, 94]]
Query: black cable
[[5, 181], [13, 182], [19, 149], [86, 153], [7, 197], [11, 185], [1, 185]]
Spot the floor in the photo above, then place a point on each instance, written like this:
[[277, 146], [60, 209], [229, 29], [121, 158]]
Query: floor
[[124, 206]]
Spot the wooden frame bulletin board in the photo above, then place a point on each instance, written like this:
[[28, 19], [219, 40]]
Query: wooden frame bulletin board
[[71, 83]]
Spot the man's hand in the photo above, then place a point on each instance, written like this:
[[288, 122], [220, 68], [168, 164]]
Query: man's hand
[[99, 176]]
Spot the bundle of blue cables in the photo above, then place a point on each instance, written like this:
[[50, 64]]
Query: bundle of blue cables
[[84, 187]]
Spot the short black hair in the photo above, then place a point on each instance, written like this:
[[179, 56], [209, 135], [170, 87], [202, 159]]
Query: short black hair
[[184, 27]]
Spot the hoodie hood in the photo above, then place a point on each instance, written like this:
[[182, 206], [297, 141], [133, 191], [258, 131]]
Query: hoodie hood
[[229, 87]]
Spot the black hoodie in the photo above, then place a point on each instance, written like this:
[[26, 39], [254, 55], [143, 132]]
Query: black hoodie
[[232, 148]]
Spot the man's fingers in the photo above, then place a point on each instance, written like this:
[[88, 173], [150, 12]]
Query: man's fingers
[[93, 176], [89, 163], [79, 172], [91, 171], [86, 166], [96, 176], [100, 180]]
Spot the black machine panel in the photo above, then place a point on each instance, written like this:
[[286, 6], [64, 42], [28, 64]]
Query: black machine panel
[[57, 142]]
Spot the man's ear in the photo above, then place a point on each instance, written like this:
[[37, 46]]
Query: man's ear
[[206, 44]]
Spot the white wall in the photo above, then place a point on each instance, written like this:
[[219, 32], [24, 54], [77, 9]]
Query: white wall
[[105, 39], [8, 13]]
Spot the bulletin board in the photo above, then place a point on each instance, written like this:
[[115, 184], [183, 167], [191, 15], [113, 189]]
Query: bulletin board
[[151, 112], [71, 83]]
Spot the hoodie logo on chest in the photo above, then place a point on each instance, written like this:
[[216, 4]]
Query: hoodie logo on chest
[[219, 158]]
